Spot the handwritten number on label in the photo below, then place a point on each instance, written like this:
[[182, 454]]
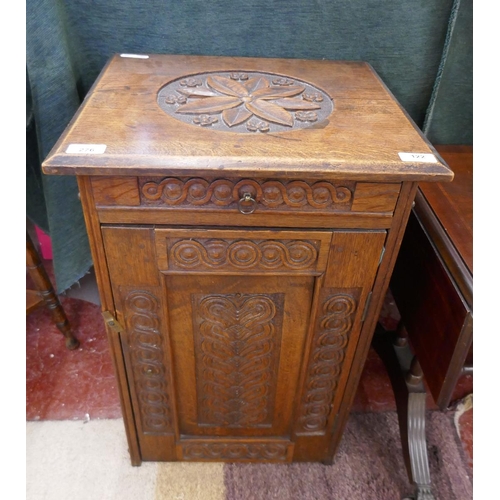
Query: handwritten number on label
[[86, 149], [418, 157]]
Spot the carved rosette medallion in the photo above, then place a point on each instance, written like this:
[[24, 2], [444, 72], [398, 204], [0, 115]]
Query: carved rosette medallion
[[146, 352], [329, 345], [245, 102], [237, 353]]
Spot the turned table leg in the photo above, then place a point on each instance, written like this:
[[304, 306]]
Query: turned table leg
[[46, 291]]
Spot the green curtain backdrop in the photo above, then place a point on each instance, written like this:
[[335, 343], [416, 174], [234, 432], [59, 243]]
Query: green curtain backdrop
[[69, 41], [449, 117]]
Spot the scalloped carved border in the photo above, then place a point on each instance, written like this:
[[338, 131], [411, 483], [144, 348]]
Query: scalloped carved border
[[191, 254], [236, 451], [270, 194], [329, 346], [151, 380]]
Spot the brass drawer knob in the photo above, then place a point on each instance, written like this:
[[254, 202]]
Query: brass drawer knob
[[247, 204]]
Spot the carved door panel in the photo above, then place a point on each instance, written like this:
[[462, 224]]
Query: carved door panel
[[237, 344], [238, 305]]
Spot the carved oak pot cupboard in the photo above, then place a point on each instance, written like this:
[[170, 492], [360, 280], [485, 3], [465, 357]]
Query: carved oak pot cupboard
[[244, 218]]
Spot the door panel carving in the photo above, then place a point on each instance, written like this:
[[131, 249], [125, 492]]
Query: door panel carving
[[237, 353]]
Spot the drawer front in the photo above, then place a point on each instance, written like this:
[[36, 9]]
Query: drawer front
[[186, 250], [225, 194], [266, 202]]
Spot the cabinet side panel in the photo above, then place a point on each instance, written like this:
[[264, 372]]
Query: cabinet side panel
[[351, 269], [392, 244], [107, 303]]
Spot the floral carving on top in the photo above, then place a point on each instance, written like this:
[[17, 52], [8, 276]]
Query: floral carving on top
[[245, 102]]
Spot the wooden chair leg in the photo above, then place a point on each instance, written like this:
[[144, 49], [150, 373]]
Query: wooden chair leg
[[44, 288]]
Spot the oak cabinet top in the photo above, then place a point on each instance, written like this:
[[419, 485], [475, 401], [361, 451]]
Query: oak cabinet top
[[199, 115]]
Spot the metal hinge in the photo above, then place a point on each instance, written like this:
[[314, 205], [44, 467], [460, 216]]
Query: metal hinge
[[367, 305], [112, 322], [381, 255]]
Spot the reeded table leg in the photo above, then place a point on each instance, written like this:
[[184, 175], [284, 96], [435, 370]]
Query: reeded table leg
[[407, 381], [44, 288], [416, 432]]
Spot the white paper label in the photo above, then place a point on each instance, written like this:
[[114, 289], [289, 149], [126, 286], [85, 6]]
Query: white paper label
[[86, 149], [135, 56], [418, 157]]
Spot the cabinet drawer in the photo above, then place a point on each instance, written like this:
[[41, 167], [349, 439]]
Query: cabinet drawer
[[229, 252], [251, 202]]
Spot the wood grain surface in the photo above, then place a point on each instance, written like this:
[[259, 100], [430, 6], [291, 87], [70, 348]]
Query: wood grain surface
[[360, 139], [452, 202]]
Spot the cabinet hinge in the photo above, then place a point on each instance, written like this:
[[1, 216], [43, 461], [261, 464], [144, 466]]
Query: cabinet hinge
[[367, 305], [381, 255], [112, 322]]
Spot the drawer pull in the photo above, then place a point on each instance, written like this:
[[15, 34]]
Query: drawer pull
[[247, 204]]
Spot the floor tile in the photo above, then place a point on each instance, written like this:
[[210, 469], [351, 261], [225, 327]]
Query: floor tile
[[63, 384]]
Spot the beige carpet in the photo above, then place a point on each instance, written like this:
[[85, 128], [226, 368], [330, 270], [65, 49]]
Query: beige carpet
[[70, 460]]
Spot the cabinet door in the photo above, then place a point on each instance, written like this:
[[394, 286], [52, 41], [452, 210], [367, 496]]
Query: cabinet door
[[231, 337]]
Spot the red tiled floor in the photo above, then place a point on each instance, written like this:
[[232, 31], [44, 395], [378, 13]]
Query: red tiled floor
[[463, 388], [374, 391], [466, 434], [63, 384]]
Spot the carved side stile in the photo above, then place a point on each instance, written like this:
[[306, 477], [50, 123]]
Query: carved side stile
[[151, 379], [329, 344]]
